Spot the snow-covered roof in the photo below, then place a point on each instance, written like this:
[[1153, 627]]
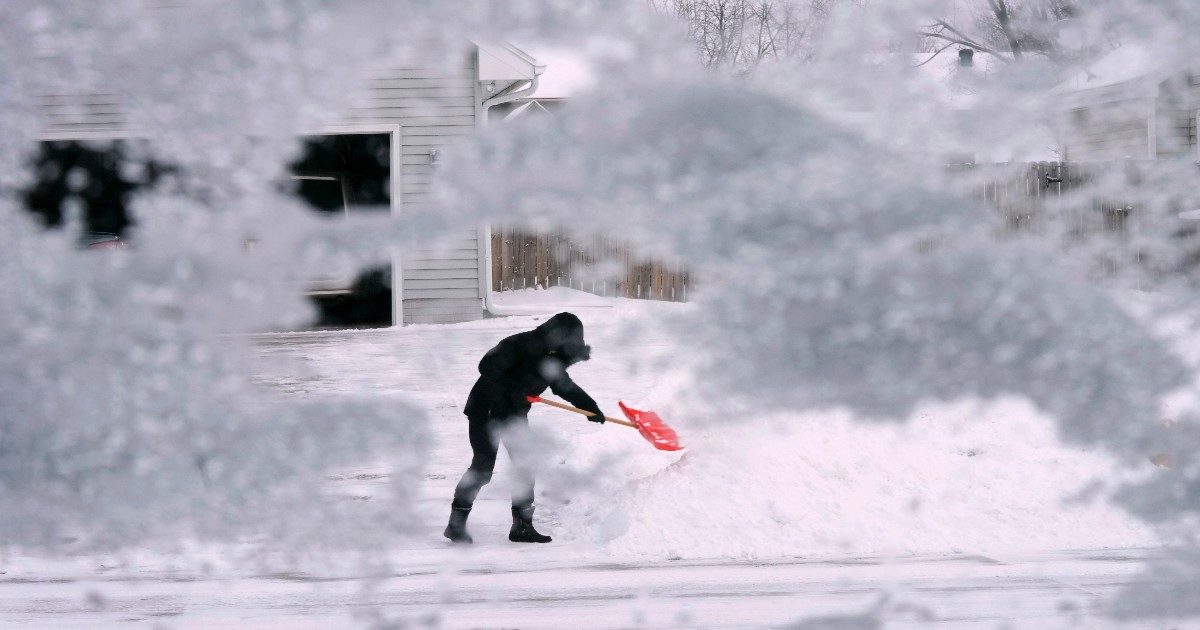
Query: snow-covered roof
[[946, 80], [1130, 65], [567, 73], [528, 107], [955, 106], [500, 61]]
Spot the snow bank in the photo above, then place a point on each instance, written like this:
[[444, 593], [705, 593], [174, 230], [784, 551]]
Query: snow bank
[[965, 477], [549, 300], [977, 477]]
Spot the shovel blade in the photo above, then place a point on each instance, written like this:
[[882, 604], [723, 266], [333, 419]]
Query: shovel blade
[[652, 428]]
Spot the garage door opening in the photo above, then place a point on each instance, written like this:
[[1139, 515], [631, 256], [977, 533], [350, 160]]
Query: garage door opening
[[338, 174]]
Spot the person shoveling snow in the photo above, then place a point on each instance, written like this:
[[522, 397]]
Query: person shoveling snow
[[497, 409]]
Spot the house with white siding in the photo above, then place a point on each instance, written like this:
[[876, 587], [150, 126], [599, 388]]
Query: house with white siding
[[405, 115], [1129, 105]]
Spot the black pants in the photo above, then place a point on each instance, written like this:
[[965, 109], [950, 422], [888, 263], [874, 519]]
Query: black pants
[[486, 433]]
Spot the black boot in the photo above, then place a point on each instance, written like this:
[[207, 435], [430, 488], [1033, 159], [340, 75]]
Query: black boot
[[522, 527], [456, 530]]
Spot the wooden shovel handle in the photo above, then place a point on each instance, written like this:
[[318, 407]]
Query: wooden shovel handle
[[579, 411]]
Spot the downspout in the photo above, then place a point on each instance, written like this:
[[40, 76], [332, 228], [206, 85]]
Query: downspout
[[505, 96]]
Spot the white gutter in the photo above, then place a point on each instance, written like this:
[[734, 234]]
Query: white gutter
[[509, 94], [504, 96]]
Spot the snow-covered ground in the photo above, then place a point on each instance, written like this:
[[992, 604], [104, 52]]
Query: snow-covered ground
[[971, 477], [974, 512], [531, 588]]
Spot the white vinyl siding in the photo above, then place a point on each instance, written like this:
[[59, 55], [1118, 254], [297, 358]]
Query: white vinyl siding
[[1175, 115], [1133, 120], [441, 284], [440, 310], [1108, 131], [435, 107], [82, 114]]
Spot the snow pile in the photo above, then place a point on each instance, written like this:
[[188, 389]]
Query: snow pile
[[964, 477], [548, 300], [553, 297], [984, 477]]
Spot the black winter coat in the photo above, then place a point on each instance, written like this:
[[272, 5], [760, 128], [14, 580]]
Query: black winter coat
[[526, 364]]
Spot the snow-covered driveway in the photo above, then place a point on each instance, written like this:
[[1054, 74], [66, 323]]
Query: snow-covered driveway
[[768, 527], [1053, 590]]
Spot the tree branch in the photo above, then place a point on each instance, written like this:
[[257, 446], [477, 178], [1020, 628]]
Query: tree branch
[[935, 54], [1002, 18], [964, 42]]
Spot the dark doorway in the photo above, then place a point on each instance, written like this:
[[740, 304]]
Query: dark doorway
[[337, 174]]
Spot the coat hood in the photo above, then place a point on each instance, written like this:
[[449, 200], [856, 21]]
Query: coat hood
[[563, 335]]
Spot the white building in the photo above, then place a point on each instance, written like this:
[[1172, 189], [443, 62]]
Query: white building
[[419, 111], [1129, 104]]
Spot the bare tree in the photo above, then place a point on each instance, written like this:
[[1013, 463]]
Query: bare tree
[[741, 34], [1009, 30]]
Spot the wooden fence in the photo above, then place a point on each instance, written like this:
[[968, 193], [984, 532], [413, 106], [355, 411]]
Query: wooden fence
[[1027, 196], [1075, 192], [597, 265]]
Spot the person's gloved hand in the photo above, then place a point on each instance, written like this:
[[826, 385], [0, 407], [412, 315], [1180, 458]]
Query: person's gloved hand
[[597, 415]]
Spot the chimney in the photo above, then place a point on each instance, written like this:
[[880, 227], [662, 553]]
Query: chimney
[[966, 58]]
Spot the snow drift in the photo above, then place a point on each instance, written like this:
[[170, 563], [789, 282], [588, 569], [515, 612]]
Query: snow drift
[[969, 477]]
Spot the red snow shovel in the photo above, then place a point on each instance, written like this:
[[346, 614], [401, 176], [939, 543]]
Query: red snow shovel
[[647, 423]]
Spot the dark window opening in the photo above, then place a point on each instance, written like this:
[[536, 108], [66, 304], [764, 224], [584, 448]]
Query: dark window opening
[[345, 172], [101, 177]]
